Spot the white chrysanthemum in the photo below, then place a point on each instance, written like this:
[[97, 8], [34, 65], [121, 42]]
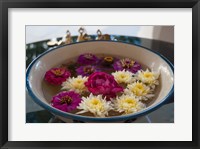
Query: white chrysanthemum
[[148, 77], [140, 90], [96, 105], [123, 76], [128, 104], [75, 84]]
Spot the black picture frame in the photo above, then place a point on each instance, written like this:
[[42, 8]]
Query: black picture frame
[[6, 4]]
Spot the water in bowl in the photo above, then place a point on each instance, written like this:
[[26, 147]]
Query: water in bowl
[[50, 90]]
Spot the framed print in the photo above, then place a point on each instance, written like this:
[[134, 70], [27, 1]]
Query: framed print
[[105, 106], [74, 74]]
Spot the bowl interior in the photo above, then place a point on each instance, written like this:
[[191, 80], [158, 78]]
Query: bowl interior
[[145, 57]]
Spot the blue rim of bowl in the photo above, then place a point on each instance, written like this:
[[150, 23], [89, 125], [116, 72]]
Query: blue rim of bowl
[[96, 119]]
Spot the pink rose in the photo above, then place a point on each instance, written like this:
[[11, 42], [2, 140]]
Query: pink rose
[[103, 83], [56, 76]]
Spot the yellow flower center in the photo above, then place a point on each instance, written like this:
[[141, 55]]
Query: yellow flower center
[[66, 99], [96, 104], [79, 81], [95, 101], [140, 86], [57, 72], [127, 104], [108, 59], [139, 89], [148, 75], [78, 84], [130, 101], [123, 76]]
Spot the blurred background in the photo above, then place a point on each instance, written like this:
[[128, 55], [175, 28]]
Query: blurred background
[[42, 38], [38, 33]]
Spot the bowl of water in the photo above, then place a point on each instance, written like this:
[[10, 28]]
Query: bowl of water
[[66, 56]]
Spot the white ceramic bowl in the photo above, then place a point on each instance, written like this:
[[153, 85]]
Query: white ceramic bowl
[[36, 70]]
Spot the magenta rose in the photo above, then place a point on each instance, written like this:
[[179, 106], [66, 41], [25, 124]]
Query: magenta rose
[[56, 76], [103, 83]]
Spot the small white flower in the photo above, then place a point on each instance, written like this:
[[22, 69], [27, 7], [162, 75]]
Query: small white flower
[[75, 84], [96, 105], [140, 90], [148, 77], [128, 104], [124, 76]]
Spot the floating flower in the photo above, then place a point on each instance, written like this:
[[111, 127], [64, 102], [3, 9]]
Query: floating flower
[[96, 105], [123, 76], [66, 101], [140, 90], [57, 76], [103, 83], [86, 70], [128, 104], [75, 84], [127, 64], [87, 59], [107, 60], [150, 78]]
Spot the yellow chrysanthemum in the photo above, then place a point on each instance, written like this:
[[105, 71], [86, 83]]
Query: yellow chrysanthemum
[[128, 104], [123, 77], [139, 90], [96, 105], [148, 77], [75, 84]]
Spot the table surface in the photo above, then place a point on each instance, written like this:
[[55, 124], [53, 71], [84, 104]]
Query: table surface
[[165, 114]]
